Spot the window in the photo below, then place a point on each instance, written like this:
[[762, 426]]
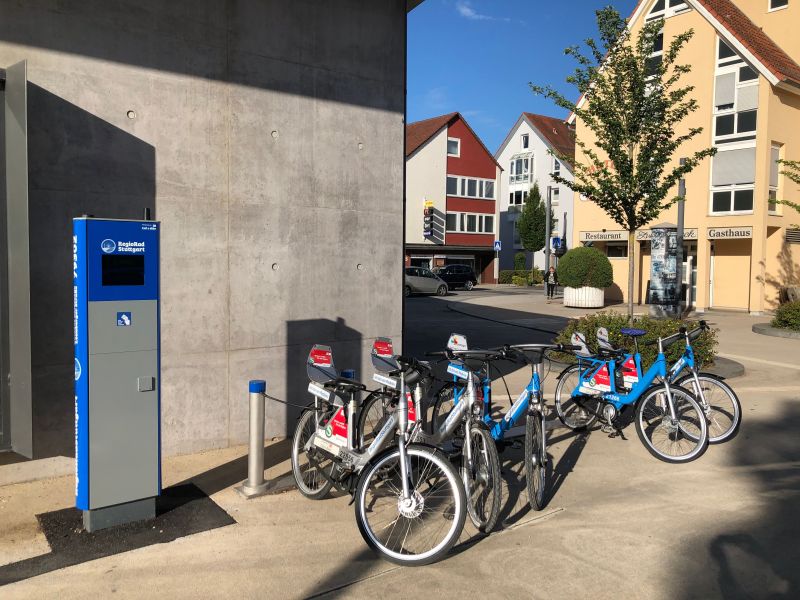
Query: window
[[617, 250], [735, 199], [453, 147], [469, 223], [554, 195], [556, 167], [746, 121], [776, 4], [470, 187], [774, 178], [517, 238], [747, 74], [525, 141], [663, 9], [517, 198], [520, 167], [724, 51], [736, 91]]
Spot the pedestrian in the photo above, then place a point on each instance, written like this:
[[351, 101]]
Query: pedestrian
[[551, 279]]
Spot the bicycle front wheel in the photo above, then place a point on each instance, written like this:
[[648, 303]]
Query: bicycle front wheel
[[677, 440], [422, 529], [374, 413], [482, 479], [535, 460], [719, 403], [311, 469], [579, 412]]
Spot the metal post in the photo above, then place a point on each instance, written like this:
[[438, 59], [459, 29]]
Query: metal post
[[547, 228], [679, 257], [255, 484]]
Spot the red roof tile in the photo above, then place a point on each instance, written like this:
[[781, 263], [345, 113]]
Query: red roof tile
[[421, 131], [556, 131]]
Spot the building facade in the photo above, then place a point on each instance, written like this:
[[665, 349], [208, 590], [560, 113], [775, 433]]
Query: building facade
[[741, 248], [452, 179], [257, 132], [530, 154]]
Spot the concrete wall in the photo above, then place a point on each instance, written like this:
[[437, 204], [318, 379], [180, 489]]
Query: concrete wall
[[267, 136]]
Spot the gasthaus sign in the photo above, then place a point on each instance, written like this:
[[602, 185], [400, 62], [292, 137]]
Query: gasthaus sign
[[730, 233]]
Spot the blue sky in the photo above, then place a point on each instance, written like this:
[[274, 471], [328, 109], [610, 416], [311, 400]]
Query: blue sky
[[477, 57]]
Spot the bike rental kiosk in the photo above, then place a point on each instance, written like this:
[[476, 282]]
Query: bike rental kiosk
[[115, 267]]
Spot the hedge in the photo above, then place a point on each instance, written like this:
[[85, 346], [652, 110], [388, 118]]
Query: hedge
[[508, 276], [787, 316], [585, 266], [705, 346]]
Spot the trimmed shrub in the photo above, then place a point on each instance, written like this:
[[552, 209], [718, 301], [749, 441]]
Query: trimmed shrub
[[705, 346], [507, 276], [520, 281], [585, 266], [519, 261], [787, 316]]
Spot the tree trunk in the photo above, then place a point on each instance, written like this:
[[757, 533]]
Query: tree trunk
[[631, 266]]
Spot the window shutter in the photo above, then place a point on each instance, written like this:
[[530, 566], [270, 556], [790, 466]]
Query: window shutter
[[725, 91], [734, 166], [747, 98], [774, 155]]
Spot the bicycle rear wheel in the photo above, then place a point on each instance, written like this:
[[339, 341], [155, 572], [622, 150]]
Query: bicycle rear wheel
[[678, 440], [536, 462], [579, 412], [719, 403], [310, 467], [482, 479], [423, 530], [374, 413]]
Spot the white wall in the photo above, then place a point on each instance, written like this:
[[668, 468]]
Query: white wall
[[540, 171], [426, 179]]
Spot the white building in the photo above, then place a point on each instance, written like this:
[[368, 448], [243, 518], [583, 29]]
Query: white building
[[525, 158]]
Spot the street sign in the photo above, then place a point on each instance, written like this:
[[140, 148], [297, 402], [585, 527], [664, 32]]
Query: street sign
[[556, 242], [498, 246]]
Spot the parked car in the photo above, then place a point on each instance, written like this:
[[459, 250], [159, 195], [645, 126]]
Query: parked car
[[458, 276], [420, 280]]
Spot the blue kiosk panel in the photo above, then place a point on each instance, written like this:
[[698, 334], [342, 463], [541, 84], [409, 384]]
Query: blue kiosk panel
[[117, 363]]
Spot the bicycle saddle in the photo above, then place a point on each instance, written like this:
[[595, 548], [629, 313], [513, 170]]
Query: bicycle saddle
[[633, 332]]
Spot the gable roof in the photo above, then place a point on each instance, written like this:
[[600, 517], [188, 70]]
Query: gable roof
[[555, 132], [776, 65], [744, 36], [419, 132]]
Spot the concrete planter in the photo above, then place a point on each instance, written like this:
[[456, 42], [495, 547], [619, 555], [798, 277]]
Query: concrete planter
[[584, 297]]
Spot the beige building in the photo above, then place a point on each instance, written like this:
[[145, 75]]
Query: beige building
[[740, 248]]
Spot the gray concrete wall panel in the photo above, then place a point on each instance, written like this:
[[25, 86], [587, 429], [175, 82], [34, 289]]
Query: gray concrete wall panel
[[209, 82]]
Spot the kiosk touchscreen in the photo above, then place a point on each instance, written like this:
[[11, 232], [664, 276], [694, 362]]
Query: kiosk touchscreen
[[117, 370]]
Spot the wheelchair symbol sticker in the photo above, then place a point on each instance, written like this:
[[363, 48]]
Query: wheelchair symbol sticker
[[124, 319]]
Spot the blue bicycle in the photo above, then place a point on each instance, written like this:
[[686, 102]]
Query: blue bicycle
[[669, 421], [718, 400], [530, 403]]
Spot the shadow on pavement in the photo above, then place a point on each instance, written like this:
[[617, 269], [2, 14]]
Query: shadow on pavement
[[756, 558]]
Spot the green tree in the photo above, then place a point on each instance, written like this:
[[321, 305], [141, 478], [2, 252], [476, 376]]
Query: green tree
[[531, 223], [634, 107], [519, 261]]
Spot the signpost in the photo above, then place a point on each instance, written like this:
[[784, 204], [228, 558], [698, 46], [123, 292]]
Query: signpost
[[664, 292]]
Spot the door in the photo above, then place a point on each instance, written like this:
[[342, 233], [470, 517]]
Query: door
[[730, 275]]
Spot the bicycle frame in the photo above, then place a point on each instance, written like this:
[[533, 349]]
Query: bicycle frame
[[657, 370]]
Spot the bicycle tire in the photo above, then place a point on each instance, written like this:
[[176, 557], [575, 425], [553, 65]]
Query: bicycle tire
[[718, 432], [451, 503], [691, 425], [536, 463], [483, 503], [371, 418], [566, 408], [317, 485]]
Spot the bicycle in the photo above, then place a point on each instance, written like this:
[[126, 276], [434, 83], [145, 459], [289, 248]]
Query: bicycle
[[665, 413], [719, 401], [530, 402], [409, 501]]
